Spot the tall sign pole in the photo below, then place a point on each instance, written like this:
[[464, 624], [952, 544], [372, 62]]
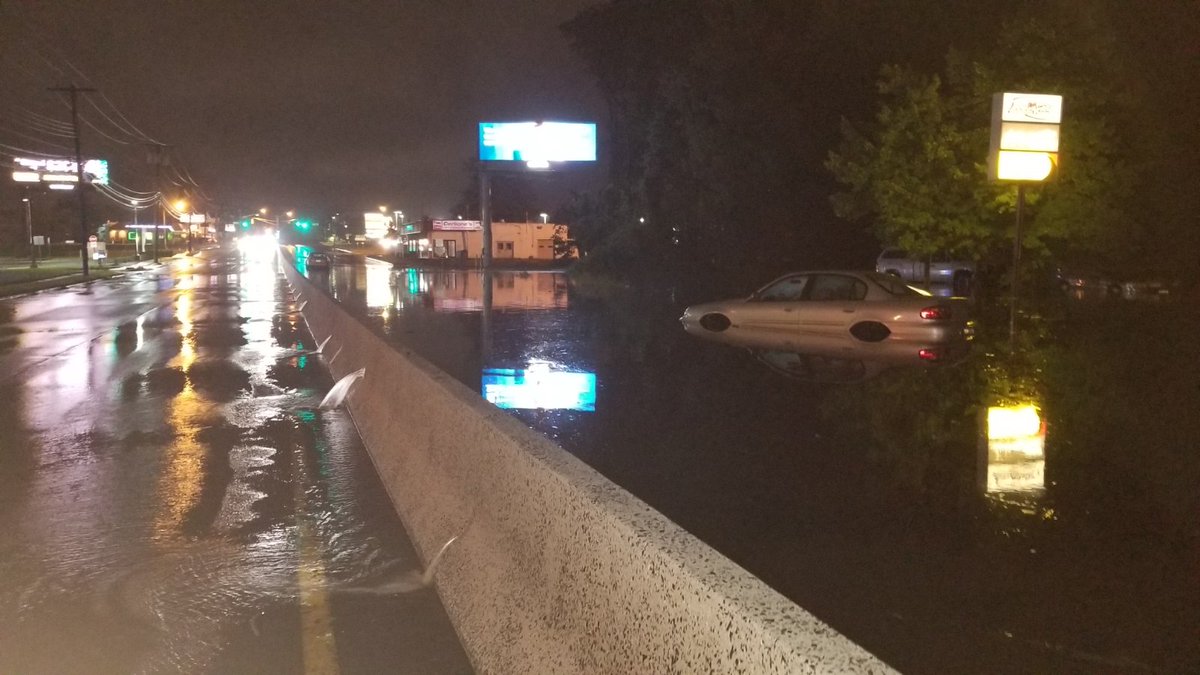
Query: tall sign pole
[[83, 230], [1024, 151], [29, 227]]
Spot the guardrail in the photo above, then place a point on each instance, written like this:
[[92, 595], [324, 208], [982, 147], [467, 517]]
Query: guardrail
[[556, 569]]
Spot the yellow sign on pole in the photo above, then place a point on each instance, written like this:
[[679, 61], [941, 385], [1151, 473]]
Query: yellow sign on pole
[[1025, 136]]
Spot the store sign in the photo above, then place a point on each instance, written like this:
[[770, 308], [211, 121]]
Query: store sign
[[1038, 108], [1025, 136], [59, 170], [457, 225]]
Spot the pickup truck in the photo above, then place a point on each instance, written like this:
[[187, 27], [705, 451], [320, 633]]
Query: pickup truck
[[956, 275]]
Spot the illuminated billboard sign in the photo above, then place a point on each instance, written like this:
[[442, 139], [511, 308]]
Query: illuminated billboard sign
[[59, 170], [539, 388], [457, 225], [537, 143], [375, 224]]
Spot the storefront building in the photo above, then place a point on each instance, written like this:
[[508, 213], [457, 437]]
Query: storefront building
[[464, 239]]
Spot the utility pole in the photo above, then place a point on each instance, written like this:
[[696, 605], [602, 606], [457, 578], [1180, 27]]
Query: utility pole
[[159, 159], [83, 229]]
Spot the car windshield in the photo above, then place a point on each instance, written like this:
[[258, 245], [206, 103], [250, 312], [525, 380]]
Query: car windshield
[[891, 284]]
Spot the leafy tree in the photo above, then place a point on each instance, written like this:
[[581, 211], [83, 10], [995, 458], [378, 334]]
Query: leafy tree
[[920, 172], [916, 174]]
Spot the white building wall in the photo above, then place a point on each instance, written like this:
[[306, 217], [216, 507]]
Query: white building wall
[[523, 237]]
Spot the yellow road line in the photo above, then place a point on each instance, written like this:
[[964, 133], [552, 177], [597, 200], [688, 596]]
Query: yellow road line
[[316, 621]]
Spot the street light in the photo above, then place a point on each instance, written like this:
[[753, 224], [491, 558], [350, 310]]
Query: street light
[[545, 217]]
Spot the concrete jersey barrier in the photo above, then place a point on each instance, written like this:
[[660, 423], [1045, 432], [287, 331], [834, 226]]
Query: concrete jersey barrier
[[556, 569]]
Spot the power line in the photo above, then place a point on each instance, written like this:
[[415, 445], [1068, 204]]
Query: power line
[[34, 138], [26, 151], [112, 121]]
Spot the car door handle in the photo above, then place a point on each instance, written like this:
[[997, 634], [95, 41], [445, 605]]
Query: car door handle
[[848, 310]]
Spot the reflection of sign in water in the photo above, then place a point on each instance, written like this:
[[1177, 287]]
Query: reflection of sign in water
[[379, 285], [1016, 442], [539, 388]]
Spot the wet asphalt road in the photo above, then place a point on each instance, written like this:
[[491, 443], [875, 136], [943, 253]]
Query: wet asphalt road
[[869, 492], [172, 500]]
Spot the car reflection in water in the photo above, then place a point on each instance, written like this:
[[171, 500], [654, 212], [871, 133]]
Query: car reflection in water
[[832, 358]]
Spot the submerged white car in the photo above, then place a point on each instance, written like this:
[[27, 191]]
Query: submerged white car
[[867, 306]]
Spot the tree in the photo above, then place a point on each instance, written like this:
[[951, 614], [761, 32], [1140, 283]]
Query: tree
[[918, 173]]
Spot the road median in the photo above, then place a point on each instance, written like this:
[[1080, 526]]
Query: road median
[[556, 568]]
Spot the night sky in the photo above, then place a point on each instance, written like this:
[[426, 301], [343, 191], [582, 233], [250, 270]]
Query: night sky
[[304, 105]]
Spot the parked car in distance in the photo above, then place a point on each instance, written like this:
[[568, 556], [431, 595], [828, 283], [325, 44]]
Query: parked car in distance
[[958, 275], [867, 306], [318, 260], [1086, 284]]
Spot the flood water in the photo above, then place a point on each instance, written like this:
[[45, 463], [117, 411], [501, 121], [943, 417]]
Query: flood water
[[1023, 508], [172, 499]]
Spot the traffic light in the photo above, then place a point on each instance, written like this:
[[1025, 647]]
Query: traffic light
[[246, 224], [303, 225]]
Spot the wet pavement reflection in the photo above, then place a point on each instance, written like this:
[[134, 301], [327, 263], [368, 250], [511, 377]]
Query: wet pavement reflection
[[997, 510], [173, 501]]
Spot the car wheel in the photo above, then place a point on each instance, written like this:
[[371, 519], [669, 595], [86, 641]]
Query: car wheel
[[870, 331], [715, 322]]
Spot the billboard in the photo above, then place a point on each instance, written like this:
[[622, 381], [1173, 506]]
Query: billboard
[[537, 143], [59, 170], [375, 224]]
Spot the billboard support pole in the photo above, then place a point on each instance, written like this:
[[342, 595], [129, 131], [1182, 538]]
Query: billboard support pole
[[485, 213]]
